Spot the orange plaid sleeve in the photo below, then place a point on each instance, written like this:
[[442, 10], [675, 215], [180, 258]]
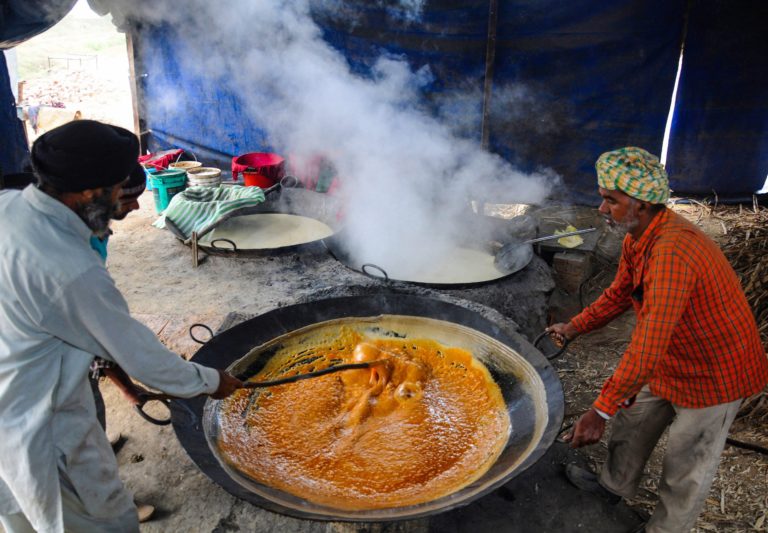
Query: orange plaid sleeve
[[668, 282], [614, 301]]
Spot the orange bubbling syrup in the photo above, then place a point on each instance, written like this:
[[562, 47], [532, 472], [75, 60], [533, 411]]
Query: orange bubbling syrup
[[422, 426]]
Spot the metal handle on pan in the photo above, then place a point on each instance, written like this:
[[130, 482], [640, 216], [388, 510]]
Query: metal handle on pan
[[162, 399], [560, 437], [289, 182], [214, 241], [366, 266], [274, 188], [198, 325], [188, 419], [558, 353]]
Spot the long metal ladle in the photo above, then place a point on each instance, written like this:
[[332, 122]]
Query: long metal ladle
[[515, 256], [165, 399], [317, 373]]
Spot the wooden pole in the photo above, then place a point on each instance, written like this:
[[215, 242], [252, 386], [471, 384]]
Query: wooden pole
[[490, 60]]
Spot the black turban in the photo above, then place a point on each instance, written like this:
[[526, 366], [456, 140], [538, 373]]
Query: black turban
[[84, 154], [137, 182]]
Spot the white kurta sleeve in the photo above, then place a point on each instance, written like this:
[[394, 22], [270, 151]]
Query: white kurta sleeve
[[91, 314]]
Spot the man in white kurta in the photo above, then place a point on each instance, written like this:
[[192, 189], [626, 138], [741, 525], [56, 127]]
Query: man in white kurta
[[59, 308]]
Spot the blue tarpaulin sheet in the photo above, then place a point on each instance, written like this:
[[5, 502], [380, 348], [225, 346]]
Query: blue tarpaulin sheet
[[719, 141], [575, 79], [570, 80], [184, 110], [14, 154]]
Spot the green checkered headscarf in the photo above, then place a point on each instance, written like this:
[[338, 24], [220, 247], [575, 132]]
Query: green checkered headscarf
[[635, 172]]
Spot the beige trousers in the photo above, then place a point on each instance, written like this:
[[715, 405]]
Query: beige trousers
[[696, 440]]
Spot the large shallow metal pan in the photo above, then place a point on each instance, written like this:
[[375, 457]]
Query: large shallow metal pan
[[530, 387], [298, 207], [478, 266]]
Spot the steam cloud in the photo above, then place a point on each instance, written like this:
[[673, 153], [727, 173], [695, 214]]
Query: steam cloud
[[407, 178]]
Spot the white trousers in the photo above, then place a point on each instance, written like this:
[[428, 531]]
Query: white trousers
[[76, 518]]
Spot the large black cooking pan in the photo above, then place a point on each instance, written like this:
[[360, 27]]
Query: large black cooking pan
[[337, 247], [282, 199], [507, 259], [530, 387]]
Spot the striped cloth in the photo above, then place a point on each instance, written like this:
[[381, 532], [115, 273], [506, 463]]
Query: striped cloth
[[696, 343], [635, 172], [196, 208]]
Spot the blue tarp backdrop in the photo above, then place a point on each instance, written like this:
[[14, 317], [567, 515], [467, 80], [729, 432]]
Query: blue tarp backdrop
[[570, 80], [601, 75], [719, 138], [13, 146], [208, 121]]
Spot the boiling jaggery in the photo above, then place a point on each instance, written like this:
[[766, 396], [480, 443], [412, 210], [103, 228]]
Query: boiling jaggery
[[423, 426]]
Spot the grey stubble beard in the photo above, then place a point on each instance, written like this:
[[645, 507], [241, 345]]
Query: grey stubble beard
[[97, 213]]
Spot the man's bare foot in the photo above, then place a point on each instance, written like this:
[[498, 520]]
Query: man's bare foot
[[114, 439], [145, 512]]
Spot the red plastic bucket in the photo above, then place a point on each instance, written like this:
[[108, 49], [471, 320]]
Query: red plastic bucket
[[261, 169], [254, 179]]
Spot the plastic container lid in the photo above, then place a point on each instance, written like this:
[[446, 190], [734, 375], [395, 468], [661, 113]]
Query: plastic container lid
[[203, 173], [185, 164]]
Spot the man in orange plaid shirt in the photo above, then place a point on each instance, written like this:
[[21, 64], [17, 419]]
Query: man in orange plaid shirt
[[695, 352]]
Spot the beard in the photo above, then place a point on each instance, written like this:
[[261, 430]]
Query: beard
[[119, 215], [625, 227], [629, 223], [97, 213]]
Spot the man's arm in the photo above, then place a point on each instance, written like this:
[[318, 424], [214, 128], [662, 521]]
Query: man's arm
[[613, 302], [227, 384], [91, 314], [668, 283], [123, 382]]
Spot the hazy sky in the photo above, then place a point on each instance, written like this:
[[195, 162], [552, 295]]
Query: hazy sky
[[82, 10]]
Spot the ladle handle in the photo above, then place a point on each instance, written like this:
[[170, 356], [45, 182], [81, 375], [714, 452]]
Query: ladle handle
[[558, 353], [308, 375], [567, 234]]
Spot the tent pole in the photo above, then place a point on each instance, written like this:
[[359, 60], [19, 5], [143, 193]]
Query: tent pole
[[490, 59]]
